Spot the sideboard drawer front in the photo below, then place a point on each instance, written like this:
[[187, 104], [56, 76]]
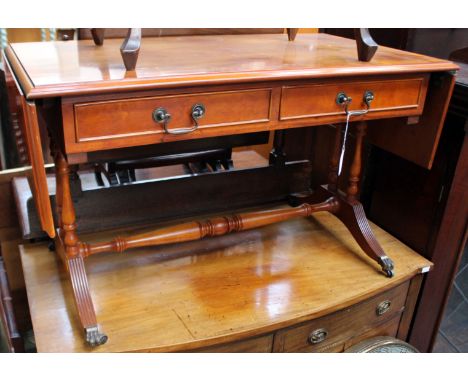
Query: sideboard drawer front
[[261, 344], [331, 333], [318, 101], [133, 118]]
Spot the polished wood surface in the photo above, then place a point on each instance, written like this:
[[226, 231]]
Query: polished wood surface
[[410, 305], [318, 99], [263, 344], [27, 117], [387, 329], [100, 122], [343, 325], [248, 86], [219, 290], [417, 140], [77, 67], [37, 179], [132, 118]]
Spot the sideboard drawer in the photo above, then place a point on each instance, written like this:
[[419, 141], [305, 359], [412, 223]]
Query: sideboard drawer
[[318, 101], [132, 121], [332, 332], [261, 344]]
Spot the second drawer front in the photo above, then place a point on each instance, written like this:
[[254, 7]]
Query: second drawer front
[[252, 345], [331, 332], [133, 118], [318, 101]]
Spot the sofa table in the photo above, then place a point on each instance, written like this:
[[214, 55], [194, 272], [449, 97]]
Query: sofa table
[[199, 87]]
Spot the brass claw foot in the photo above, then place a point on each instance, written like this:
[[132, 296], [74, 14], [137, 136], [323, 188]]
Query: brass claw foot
[[387, 266], [94, 337]]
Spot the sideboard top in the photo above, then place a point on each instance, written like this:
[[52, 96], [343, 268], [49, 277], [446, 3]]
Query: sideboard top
[[49, 69], [207, 292]]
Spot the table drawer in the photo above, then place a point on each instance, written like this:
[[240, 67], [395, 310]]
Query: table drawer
[[318, 101], [132, 122], [332, 332]]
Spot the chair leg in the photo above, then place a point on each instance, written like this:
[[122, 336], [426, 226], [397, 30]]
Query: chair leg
[[130, 48], [366, 46], [98, 35], [292, 32]]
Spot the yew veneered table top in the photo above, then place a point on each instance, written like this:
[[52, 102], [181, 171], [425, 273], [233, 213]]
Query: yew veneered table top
[[212, 291], [47, 69]]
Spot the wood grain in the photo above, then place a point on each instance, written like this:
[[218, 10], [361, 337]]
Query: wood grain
[[38, 179], [200, 229], [78, 67], [93, 119], [388, 328], [343, 325], [100, 122], [389, 94], [261, 344], [130, 118], [28, 120], [410, 305], [230, 288], [406, 139]]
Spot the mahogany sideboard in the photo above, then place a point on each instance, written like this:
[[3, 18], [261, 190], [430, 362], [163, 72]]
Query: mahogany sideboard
[[298, 286], [198, 87]]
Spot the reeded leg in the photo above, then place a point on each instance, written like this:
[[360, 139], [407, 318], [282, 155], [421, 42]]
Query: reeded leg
[[68, 247], [350, 210], [353, 216]]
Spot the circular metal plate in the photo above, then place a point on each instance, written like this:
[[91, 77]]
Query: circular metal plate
[[382, 345]]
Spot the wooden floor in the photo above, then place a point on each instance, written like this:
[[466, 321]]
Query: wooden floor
[[185, 296]]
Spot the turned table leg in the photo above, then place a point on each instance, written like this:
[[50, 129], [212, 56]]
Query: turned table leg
[[350, 210], [352, 214], [68, 247]]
